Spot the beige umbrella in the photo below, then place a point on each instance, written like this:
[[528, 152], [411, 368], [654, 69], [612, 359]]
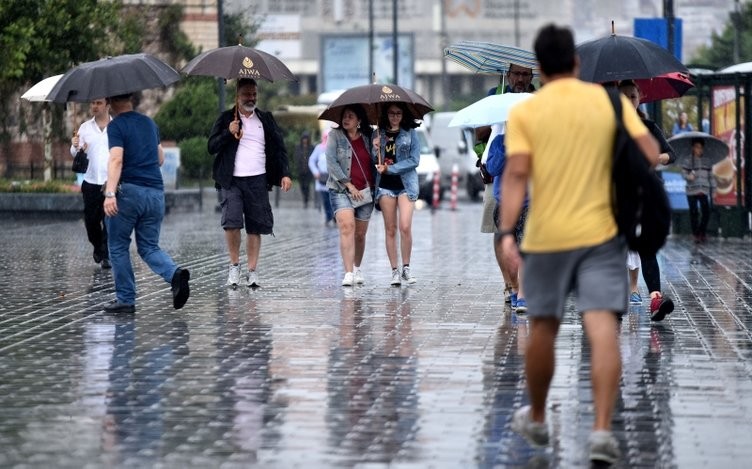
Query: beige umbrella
[[35, 94]]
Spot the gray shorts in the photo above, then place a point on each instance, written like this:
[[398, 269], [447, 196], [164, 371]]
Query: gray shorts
[[246, 203], [594, 274]]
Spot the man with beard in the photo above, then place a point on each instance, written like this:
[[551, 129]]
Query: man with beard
[[250, 158]]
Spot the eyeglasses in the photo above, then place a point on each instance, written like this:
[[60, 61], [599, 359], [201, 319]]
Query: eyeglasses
[[521, 74], [394, 114]]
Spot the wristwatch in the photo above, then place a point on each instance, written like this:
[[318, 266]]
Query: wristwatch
[[109, 195]]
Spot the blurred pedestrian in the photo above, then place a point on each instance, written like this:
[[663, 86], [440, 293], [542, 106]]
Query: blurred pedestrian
[[681, 125], [250, 158], [700, 183], [317, 166], [134, 201], [398, 150], [571, 242], [660, 305], [92, 138], [302, 152], [351, 170]]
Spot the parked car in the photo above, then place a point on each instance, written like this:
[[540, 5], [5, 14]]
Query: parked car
[[428, 166], [455, 146]]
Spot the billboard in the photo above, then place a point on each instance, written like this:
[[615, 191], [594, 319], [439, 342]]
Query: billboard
[[725, 127], [344, 61]]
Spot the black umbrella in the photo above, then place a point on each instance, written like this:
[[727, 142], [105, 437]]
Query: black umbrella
[[238, 62], [617, 58], [373, 97], [714, 149], [112, 76]]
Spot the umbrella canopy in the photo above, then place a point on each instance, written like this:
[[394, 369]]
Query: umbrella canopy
[[39, 92], [670, 85], [238, 62], [489, 57], [615, 58], [488, 111], [714, 151], [373, 97], [112, 76]]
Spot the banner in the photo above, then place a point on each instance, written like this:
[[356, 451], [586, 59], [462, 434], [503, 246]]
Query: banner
[[724, 126]]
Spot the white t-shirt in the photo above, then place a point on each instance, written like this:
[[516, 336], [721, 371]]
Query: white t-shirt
[[97, 150], [250, 159]]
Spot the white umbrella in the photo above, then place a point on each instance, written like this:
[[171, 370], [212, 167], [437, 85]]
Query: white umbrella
[[490, 110], [39, 92]]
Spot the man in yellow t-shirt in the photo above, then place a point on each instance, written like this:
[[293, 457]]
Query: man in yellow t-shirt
[[560, 147]]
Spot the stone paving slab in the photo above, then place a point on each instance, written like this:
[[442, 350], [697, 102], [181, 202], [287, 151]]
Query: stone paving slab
[[305, 373]]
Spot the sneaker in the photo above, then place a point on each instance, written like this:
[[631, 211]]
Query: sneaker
[[604, 447], [116, 307], [513, 300], [521, 306], [407, 277], [507, 295], [180, 288], [535, 433], [251, 280], [234, 278], [396, 280], [348, 280], [358, 276], [635, 298], [660, 306]]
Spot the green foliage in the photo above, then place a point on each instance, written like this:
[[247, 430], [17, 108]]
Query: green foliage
[[293, 125], [35, 186], [239, 30], [720, 52], [191, 112], [172, 38], [195, 160]]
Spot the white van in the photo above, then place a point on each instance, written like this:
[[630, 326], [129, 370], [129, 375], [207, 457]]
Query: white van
[[454, 145], [428, 166]]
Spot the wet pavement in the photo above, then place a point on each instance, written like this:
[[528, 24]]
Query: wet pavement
[[305, 373]]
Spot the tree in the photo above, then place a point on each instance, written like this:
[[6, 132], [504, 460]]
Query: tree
[[720, 52]]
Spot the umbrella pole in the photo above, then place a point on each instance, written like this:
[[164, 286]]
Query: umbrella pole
[[239, 133]]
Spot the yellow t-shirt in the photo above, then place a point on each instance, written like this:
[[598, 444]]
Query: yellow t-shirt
[[568, 130]]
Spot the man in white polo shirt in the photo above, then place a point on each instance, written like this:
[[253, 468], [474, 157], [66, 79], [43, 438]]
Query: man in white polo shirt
[[250, 158]]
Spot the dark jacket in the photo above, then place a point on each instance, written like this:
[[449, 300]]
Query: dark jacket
[[223, 145]]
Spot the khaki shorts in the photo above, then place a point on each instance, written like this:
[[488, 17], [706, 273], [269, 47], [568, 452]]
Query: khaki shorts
[[487, 224]]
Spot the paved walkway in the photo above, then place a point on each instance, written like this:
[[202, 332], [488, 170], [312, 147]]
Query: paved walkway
[[304, 373]]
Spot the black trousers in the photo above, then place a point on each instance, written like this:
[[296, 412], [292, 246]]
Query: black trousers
[[651, 273], [94, 219], [699, 227]]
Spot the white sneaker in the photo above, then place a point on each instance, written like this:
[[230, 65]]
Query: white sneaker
[[348, 280], [252, 279], [604, 447], [358, 276], [535, 433], [234, 278], [396, 278], [407, 277]]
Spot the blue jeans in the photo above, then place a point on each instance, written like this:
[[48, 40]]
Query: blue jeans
[[140, 209]]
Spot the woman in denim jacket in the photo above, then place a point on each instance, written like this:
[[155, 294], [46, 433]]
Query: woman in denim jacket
[[349, 161], [397, 184]]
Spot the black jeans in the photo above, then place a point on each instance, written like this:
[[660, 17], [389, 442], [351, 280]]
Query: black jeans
[[94, 219], [651, 273], [699, 227]]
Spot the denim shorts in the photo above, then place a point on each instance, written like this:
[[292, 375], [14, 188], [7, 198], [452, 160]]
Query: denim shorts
[[340, 201], [381, 192]]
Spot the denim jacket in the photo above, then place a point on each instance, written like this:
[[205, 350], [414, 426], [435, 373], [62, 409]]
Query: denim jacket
[[339, 159], [408, 157]]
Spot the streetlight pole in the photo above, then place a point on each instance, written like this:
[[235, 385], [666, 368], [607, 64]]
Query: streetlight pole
[[443, 36], [395, 46], [370, 41], [668, 14], [221, 31]]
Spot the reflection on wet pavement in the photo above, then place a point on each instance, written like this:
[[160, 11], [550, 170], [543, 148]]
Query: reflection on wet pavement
[[304, 373]]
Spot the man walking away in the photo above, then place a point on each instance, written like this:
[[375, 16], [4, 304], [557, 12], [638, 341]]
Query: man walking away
[[134, 201], [564, 154]]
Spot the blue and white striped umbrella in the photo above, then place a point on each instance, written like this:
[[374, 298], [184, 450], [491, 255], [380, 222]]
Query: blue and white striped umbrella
[[490, 58]]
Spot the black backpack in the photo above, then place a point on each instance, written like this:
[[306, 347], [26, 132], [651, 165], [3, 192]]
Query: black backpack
[[640, 202]]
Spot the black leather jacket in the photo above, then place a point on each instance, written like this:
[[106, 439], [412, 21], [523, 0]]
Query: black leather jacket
[[223, 145]]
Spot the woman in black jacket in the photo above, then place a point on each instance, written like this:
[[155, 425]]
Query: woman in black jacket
[[660, 305]]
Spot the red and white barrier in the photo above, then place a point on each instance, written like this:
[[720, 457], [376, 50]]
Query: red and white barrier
[[455, 182], [436, 198]]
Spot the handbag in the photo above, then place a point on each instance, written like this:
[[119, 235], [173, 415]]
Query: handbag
[[640, 203], [80, 162], [366, 195], [323, 177]]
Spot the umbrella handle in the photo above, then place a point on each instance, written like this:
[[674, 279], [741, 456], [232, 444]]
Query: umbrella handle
[[239, 134]]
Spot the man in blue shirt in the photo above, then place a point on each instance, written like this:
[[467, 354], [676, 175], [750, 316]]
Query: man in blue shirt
[[134, 201]]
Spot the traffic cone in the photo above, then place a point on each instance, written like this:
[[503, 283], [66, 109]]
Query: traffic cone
[[436, 190], [455, 181]]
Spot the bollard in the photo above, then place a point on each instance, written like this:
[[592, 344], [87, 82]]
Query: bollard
[[455, 180], [436, 190]]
